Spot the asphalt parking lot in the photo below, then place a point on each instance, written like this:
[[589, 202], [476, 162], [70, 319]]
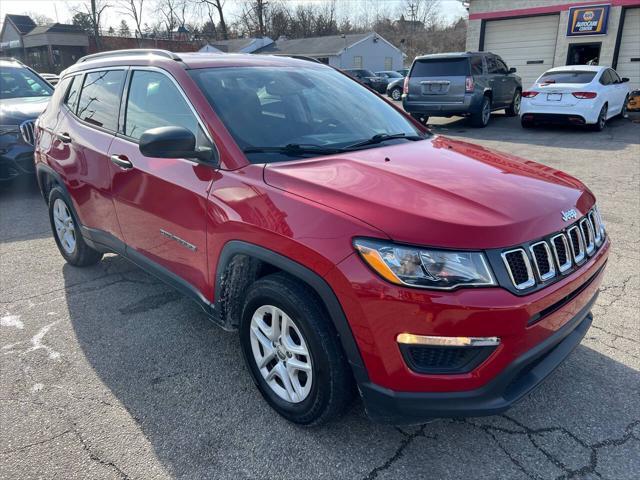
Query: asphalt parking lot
[[107, 373]]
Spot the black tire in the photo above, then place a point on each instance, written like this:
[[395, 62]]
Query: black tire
[[513, 110], [396, 94], [332, 385], [423, 119], [601, 123], [623, 111], [81, 255], [480, 119]]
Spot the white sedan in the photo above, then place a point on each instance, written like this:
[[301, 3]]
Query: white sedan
[[577, 94]]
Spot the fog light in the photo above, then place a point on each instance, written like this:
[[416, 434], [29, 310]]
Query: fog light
[[437, 341]]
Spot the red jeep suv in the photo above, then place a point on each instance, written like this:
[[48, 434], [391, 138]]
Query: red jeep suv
[[348, 245]]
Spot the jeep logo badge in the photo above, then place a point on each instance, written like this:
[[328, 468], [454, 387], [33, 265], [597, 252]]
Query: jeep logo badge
[[569, 215]]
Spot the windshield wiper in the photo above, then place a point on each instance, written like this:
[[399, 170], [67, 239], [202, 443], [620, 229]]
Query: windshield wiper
[[383, 137], [295, 149]]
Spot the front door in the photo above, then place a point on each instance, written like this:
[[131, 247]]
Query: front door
[[161, 203]]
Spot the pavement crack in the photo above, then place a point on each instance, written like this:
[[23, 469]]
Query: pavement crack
[[404, 443], [93, 456], [35, 444]]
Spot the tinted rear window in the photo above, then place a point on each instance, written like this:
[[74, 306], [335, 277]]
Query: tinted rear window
[[568, 76], [445, 67]]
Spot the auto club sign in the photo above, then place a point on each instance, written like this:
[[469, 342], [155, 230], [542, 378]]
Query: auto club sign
[[591, 20]]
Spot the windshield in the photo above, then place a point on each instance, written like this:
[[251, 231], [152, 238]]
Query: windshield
[[568, 76], [18, 82], [276, 107]]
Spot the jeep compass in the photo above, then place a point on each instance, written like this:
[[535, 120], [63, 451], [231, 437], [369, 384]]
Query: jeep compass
[[354, 252]]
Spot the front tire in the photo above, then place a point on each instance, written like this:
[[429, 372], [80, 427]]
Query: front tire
[[66, 232], [292, 351], [623, 111], [396, 94]]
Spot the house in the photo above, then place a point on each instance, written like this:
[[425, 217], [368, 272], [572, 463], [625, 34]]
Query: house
[[361, 50], [237, 45], [46, 48]]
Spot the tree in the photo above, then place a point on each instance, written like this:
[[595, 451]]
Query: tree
[[93, 10], [83, 20], [39, 18], [217, 5], [134, 10], [123, 30]]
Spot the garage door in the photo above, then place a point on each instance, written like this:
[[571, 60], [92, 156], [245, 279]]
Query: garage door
[[629, 55], [529, 44]]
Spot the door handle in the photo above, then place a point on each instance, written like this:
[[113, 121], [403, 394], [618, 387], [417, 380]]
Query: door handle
[[63, 137], [122, 161]]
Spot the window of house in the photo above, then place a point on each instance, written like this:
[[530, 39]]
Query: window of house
[[357, 61], [100, 98], [154, 101], [388, 63]]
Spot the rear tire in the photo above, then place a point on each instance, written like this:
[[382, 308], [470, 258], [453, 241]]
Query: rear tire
[[396, 94], [423, 119], [66, 232], [623, 111], [527, 124], [307, 350], [513, 110], [601, 123], [480, 119]]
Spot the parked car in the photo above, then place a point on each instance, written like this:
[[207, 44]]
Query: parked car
[[394, 89], [389, 75], [52, 78], [576, 95], [23, 96], [348, 245], [368, 78], [403, 71], [472, 84]]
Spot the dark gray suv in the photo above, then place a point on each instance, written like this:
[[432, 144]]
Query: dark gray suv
[[470, 84]]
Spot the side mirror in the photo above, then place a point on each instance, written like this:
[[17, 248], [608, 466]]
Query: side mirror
[[513, 70], [172, 142], [625, 79]]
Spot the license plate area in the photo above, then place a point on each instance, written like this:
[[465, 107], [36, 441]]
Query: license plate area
[[434, 87], [554, 97]]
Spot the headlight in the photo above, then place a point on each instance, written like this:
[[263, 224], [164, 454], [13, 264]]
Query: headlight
[[425, 268]]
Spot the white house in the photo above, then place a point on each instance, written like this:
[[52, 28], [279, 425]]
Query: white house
[[361, 50]]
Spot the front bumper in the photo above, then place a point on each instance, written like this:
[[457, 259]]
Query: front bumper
[[16, 159], [516, 381]]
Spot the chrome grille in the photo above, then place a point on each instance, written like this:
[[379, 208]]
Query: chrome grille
[[27, 129], [561, 252], [588, 235], [543, 261], [577, 244], [519, 268], [558, 253]]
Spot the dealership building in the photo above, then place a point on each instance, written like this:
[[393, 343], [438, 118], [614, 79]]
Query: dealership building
[[536, 35]]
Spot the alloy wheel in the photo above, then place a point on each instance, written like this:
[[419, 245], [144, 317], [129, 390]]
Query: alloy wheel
[[602, 119], [516, 103], [396, 94], [65, 227], [486, 112], [281, 354]]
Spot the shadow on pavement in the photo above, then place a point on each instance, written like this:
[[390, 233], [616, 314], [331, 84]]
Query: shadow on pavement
[[184, 383]]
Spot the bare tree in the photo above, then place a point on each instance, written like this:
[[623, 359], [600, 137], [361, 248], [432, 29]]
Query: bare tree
[[133, 9], [39, 18], [218, 5], [94, 9]]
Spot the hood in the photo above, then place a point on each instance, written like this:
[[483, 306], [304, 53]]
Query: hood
[[439, 192], [14, 111]]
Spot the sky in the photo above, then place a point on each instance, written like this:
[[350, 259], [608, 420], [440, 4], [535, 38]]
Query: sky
[[62, 10]]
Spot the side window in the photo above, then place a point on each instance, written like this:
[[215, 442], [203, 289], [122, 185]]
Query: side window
[[100, 98], [71, 99], [502, 67], [605, 78], [492, 65], [614, 76], [154, 101], [476, 65]]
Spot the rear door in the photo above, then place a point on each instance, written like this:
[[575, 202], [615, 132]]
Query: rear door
[[80, 150], [497, 80], [438, 80], [161, 202]]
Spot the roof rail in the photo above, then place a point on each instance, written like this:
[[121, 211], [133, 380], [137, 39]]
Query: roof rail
[[11, 59], [131, 51]]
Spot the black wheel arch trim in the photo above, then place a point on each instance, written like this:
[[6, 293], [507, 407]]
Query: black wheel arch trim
[[315, 281]]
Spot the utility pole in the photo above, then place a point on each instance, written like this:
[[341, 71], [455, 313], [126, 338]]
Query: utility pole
[[413, 12]]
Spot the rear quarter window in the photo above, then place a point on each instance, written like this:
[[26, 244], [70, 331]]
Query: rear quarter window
[[446, 67], [569, 76]]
